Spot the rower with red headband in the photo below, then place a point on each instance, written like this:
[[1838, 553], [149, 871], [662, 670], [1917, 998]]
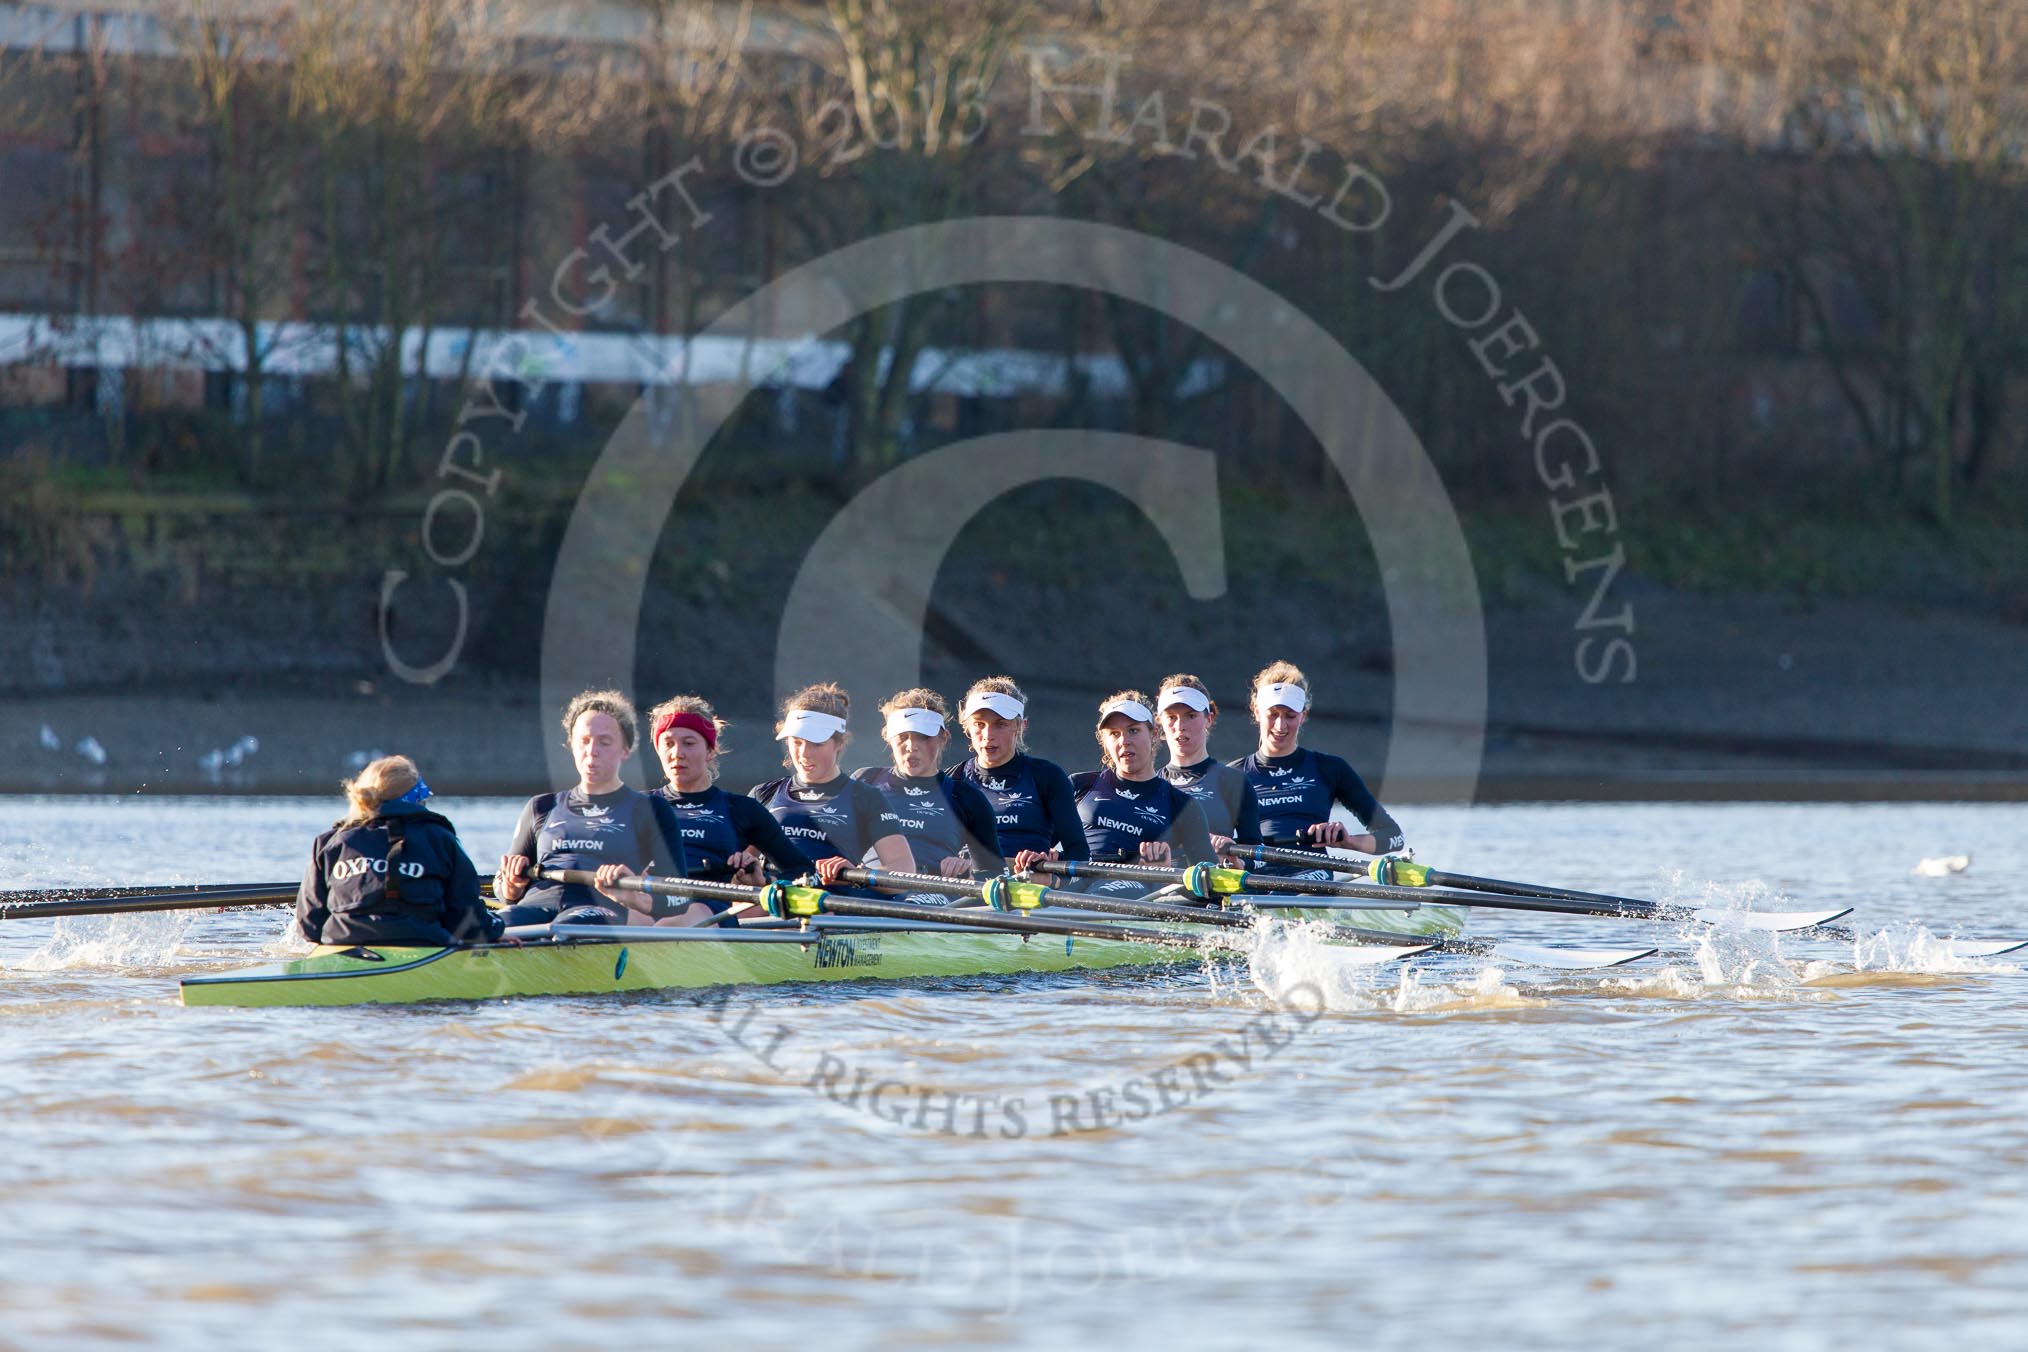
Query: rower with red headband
[[1297, 787], [1034, 806], [1130, 813], [1188, 715], [947, 821], [726, 835]]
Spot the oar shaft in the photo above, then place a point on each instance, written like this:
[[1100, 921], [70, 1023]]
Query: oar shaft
[[83, 893], [875, 909], [661, 887], [1144, 910], [134, 904], [1385, 900], [1280, 854], [897, 880]]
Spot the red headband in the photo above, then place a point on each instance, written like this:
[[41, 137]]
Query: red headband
[[683, 718]]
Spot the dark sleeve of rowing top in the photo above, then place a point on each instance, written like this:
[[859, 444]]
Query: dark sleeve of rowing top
[[975, 816], [465, 913], [313, 899], [663, 845], [1188, 835], [1081, 782], [1059, 802], [1348, 788], [1246, 812], [756, 826], [523, 842], [872, 813]]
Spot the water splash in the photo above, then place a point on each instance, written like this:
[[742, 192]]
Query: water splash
[[1303, 963], [111, 941], [1909, 947]]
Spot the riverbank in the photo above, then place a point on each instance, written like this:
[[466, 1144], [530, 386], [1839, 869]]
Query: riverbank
[[1734, 698]]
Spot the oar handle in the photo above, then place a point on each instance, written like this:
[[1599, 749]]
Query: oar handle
[[897, 880], [661, 887]]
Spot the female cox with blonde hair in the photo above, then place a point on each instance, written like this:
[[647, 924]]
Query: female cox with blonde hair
[[1188, 714], [834, 819], [947, 820], [391, 872], [1130, 813], [1297, 787], [726, 835], [601, 824], [1033, 805]]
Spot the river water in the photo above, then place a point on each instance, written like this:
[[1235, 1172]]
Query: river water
[[1805, 1143]]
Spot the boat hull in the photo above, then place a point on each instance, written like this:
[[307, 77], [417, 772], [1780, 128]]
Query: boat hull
[[358, 976]]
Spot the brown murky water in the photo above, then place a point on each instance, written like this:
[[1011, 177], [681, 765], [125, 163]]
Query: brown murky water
[[1804, 1143]]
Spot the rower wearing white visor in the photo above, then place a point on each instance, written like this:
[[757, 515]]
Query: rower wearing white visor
[[946, 820], [1296, 787], [1187, 714], [837, 821], [1033, 805], [1130, 813]]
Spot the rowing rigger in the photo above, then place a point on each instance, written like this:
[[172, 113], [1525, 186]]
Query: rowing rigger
[[792, 901], [1005, 893]]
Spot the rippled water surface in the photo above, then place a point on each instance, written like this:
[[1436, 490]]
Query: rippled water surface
[[1807, 1143]]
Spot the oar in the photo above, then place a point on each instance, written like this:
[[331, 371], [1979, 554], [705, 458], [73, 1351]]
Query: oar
[[126, 901], [789, 900], [1207, 881], [1408, 873], [1027, 896]]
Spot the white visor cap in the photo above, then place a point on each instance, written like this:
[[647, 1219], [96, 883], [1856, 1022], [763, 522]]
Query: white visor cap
[[1132, 708], [1004, 705], [1187, 696], [927, 722], [810, 726], [1290, 697]]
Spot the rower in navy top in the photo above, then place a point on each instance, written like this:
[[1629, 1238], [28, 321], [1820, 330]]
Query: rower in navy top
[[1188, 715], [1033, 805], [392, 872], [947, 821], [1131, 814], [727, 836], [601, 824], [1296, 788], [834, 819]]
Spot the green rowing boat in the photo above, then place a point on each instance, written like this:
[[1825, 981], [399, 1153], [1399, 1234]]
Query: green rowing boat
[[596, 960]]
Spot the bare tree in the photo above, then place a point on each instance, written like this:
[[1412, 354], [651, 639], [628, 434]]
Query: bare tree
[[1901, 129]]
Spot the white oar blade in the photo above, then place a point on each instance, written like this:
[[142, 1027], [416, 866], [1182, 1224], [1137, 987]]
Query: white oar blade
[[1569, 959], [1974, 948], [1372, 955], [1769, 920]]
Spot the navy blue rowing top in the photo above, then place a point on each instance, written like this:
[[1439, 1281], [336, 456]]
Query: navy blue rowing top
[[839, 816], [1121, 815], [577, 830], [941, 815], [1230, 808], [715, 825], [1033, 805], [1296, 792]]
